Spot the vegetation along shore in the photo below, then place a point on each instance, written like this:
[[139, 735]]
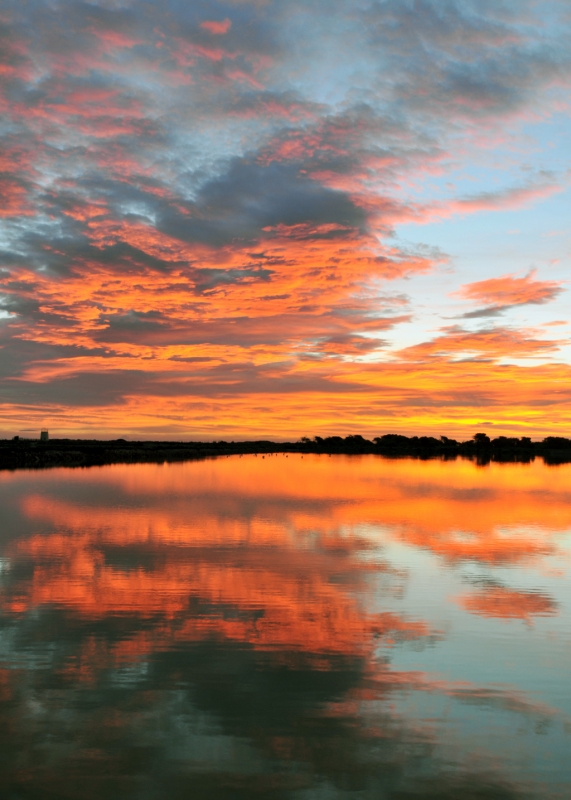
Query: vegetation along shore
[[21, 453]]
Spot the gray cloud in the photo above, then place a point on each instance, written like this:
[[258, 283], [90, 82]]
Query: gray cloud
[[250, 197], [492, 311]]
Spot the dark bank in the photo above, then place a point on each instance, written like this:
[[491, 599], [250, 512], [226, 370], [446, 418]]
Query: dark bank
[[21, 453]]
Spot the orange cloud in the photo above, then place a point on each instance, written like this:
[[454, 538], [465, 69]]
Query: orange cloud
[[495, 343], [228, 392], [507, 290]]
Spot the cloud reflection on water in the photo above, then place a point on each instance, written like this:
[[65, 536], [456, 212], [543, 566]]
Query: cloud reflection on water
[[227, 628]]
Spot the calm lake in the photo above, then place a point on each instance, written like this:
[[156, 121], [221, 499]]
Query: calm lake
[[315, 627]]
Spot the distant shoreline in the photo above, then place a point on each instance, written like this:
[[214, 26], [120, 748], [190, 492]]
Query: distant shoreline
[[35, 454]]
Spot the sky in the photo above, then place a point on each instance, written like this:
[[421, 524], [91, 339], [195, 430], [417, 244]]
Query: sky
[[274, 219]]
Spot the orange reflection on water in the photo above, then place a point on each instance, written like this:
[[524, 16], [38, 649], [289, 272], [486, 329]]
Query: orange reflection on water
[[270, 600], [503, 512], [502, 603], [277, 552], [240, 579]]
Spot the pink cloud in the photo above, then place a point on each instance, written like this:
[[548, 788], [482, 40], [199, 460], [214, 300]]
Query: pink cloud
[[240, 75], [216, 28], [503, 200], [14, 198], [116, 39], [507, 199]]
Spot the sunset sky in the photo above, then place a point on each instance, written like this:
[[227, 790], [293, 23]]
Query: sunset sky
[[280, 218]]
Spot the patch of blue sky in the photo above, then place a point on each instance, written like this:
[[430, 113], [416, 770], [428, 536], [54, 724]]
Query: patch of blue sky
[[484, 244], [498, 170]]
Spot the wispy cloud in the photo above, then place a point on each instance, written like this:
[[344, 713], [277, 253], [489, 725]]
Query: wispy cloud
[[507, 291]]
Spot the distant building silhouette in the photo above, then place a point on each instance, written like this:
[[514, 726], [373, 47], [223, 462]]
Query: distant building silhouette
[[44, 436]]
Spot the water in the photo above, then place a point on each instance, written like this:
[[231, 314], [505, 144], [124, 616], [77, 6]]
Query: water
[[286, 627]]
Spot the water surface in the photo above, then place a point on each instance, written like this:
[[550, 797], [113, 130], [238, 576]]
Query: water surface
[[286, 627]]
